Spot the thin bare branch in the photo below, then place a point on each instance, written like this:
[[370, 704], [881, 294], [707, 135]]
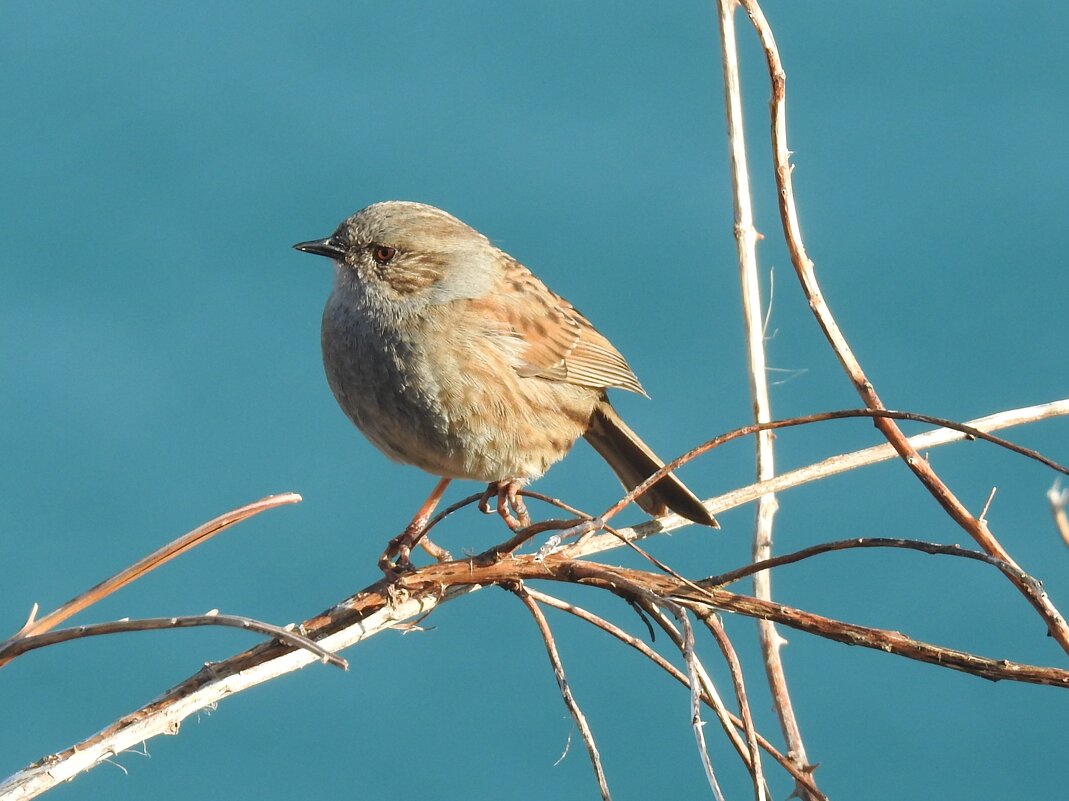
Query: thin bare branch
[[442, 515], [146, 565], [690, 658], [675, 673], [767, 505], [724, 579], [21, 645], [833, 465], [987, 504], [820, 417], [562, 682], [698, 679], [553, 502], [712, 622], [804, 268]]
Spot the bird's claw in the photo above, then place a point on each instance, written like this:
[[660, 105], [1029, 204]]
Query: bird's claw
[[397, 558], [510, 506]]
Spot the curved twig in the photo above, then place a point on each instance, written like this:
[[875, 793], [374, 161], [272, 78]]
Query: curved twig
[[804, 268], [830, 466], [628, 639], [520, 592], [712, 622], [16, 647], [723, 579], [144, 566], [970, 431]]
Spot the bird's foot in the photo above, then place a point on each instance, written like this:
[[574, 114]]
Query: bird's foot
[[397, 558], [510, 505]]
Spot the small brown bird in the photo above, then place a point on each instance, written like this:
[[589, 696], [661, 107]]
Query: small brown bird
[[450, 355]]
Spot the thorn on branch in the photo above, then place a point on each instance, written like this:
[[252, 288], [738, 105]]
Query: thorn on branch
[[987, 505], [1059, 499]]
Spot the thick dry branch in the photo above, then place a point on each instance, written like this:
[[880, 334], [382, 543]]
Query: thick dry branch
[[381, 606]]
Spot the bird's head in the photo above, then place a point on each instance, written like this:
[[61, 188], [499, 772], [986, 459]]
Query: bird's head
[[408, 253]]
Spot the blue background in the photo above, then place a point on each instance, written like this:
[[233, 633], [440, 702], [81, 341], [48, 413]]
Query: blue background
[[159, 364]]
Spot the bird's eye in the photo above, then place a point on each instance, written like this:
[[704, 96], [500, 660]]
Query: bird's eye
[[383, 254]]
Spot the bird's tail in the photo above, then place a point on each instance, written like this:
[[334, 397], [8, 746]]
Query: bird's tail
[[633, 462]]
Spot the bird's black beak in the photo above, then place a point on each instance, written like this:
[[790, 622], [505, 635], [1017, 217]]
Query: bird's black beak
[[328, 247]]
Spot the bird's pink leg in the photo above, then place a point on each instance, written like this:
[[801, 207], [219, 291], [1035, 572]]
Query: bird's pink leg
[[400, 547]]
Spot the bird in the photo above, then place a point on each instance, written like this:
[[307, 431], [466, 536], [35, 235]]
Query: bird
[[448, 354]]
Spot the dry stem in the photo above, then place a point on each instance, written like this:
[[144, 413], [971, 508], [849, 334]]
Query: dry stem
[[381, 606], [146, 565], [698, 679], [954, 432], [376, 609], [767, 505], [712, 622], [18, 646], [804, 269], [562, 682], [678, 675]]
